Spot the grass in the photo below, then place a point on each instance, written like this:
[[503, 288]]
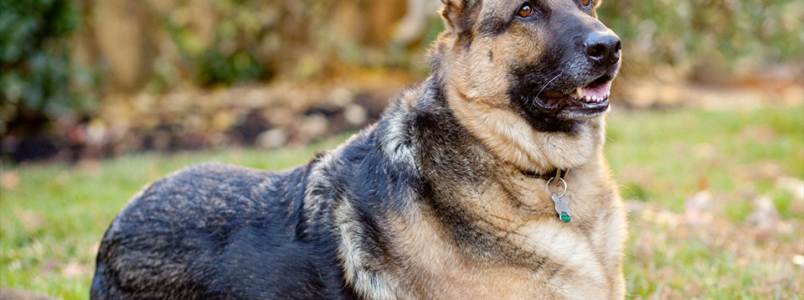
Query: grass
[[690, 178]]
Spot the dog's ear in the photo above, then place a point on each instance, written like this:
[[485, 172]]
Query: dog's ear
[[457, 15]]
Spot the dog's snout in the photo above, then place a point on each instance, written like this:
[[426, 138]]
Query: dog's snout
[[603, 48]]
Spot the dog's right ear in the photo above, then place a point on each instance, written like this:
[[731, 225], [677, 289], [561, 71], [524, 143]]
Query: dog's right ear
[[457, 15]]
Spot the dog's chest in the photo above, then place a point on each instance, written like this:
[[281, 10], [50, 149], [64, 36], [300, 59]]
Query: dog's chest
[[531, 255]]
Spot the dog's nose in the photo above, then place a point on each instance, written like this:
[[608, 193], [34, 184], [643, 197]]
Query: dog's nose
[[603, 47]]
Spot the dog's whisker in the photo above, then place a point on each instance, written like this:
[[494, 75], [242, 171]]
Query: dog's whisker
[[549, 82]]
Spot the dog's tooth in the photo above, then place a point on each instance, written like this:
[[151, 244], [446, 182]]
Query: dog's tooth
[[580, 93]]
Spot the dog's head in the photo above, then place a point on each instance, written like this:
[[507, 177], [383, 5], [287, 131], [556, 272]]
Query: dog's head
[[549, 63]]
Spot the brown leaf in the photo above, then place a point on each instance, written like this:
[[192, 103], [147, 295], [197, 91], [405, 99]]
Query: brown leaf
[[73, 270], [31, 221], [12, 294], [697, 208], [764, 218], [9, 180]]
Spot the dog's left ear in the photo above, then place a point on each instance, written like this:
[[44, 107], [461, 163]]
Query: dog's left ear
[[457, 15]]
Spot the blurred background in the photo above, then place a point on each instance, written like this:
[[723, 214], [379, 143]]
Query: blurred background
[[90, 78], [98, 98]]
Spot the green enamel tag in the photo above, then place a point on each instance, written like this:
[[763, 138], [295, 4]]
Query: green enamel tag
[[562, 208]]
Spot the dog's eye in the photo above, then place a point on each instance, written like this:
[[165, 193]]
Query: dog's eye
[[526, 10], [586, 2]]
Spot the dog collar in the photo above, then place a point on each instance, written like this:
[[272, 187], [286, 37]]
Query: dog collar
[[547, 176]]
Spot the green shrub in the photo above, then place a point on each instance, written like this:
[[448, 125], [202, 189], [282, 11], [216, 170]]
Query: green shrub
[[253, 40], [35, 68], [245, 44], [721, 33]]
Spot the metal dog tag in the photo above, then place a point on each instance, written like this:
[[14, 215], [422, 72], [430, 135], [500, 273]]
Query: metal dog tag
[[562, 207], [561, 202]]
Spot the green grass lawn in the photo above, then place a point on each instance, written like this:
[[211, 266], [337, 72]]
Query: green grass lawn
[[716, 246]]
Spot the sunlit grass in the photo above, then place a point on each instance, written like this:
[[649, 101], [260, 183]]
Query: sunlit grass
[[52, 220], [734, 151]]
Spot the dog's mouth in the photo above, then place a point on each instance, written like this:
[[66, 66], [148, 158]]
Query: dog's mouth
[[583, 102]]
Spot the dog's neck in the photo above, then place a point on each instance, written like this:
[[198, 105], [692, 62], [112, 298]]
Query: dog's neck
[[458, 193], [447, 140], [481, 105], [468, 197]]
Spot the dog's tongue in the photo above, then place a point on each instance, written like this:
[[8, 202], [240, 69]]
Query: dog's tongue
[[597, 91]]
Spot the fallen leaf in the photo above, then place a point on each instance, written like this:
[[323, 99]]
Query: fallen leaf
[[798, 260], [793, 185], [764, 218], [73, 270], [762, 134], [31, 221], [13, 294], [90, 167], [696, 208], [9, 180], [48, 266]]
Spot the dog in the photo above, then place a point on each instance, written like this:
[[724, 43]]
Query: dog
[[486, 181]]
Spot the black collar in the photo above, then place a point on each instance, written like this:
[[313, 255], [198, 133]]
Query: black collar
[[547, 175]]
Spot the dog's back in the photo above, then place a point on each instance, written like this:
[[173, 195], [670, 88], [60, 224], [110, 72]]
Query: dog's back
[[182, 235]]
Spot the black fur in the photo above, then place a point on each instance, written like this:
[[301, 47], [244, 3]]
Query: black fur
[[530, 81], [493, 25], [222, 232]]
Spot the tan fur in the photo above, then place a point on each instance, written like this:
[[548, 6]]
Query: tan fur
[[581, 259], [586, 254], [477, 94]]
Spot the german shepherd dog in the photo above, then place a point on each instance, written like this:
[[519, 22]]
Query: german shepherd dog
[[486, 181]]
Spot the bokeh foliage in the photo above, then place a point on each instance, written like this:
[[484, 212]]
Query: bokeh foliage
[[209, 43], [36, 74], [247, 40], [723, 33], [231, 41]]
